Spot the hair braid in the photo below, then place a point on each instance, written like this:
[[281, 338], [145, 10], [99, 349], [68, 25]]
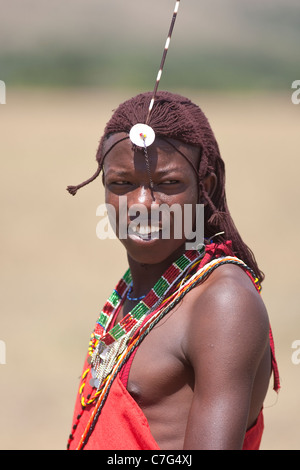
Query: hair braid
[[174, 116]]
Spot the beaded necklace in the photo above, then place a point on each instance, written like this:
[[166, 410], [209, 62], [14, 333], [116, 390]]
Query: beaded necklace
[[105, 345], [185, 286], [119, 336], [134, 298]]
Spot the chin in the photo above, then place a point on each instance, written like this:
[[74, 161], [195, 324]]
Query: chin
[[154, 251]]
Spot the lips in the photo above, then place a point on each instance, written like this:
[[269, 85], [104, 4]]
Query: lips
[[144, 231]]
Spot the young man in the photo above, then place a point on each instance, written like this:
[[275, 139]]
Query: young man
[[181, 355]]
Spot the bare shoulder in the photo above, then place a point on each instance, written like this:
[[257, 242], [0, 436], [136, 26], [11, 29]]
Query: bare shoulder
[[227, 312], [228, 292]]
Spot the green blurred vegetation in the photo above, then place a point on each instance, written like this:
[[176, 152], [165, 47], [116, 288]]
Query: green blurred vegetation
[[226, 44], [209, 70]]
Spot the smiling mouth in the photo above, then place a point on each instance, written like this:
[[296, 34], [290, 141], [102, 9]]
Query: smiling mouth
[[144, 232]]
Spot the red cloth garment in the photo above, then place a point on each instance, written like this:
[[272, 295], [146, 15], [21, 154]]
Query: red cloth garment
[[122, 424], [254, 435]]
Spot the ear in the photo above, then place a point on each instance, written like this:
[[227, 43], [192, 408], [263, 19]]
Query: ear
[[210, 184]]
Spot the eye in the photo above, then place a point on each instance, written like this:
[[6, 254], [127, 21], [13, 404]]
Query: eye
[[169, 182], [120, 183]]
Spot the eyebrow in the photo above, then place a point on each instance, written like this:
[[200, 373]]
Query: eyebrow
[[162, 172], [166, 172], [117, 172]]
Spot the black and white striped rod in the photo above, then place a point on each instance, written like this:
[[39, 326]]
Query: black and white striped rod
[[163, 58]]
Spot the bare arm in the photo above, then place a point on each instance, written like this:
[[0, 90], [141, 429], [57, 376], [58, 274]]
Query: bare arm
[[227, 341]]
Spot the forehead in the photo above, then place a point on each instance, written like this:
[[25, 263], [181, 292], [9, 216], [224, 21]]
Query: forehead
[[169, 154]]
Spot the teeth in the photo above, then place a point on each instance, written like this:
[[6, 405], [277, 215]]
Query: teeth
[[145, 229]]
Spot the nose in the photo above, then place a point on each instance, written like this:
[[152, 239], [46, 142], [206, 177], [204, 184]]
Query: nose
[[141, 202], [145, 195]]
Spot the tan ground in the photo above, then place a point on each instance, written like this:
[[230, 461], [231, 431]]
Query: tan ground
[[56, 274]]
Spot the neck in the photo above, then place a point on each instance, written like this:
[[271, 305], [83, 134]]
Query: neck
[[144, 276]]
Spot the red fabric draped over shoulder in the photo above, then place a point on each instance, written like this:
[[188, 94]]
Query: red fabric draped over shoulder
[[122, 424]]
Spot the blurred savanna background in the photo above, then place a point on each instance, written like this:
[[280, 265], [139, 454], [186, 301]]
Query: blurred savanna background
[[66, 66]]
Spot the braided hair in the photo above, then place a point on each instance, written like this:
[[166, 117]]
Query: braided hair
[[176, 117]]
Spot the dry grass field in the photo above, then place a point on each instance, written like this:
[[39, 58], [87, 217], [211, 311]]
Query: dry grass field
[[56, 274]]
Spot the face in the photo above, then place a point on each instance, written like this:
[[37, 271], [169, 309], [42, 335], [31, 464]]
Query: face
[[150, 221]]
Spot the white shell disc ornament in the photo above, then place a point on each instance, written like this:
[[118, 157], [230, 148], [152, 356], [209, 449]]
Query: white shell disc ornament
[[142, 135]]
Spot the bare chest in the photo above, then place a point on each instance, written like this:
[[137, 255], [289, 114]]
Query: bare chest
[[159, 369]]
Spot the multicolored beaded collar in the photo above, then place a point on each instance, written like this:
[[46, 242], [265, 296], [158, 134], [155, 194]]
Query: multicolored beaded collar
[[107, 343], [189, 280], [103, 340]]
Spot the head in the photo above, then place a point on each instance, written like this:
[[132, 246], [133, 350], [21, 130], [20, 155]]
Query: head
[[181, 129], [154, 202]]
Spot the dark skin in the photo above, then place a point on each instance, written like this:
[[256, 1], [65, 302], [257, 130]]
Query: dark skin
[[201, 375]]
